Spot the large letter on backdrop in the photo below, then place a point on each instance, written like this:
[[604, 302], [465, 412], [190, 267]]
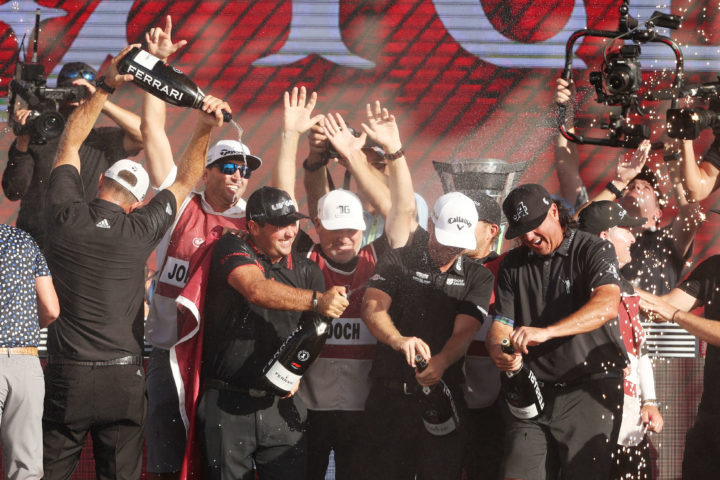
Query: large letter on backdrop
[[314, 28]]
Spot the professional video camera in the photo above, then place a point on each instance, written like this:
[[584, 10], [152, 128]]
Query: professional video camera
[[687, 123], [619, 83], [45, 121]]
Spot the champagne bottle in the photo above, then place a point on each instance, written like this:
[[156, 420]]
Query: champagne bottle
[[440, 416], [297, 353], [521, 389], [162, 80]]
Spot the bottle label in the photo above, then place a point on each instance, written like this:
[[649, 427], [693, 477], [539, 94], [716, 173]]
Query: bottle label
[[439, 429], [281, 377], [146, 59], [524, 413]]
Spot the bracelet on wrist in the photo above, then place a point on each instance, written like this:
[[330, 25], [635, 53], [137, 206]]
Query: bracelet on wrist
[[101, 84], [315, 166], [394, 156], [650, 402], [314, 301], [613, 189], [672, 319]]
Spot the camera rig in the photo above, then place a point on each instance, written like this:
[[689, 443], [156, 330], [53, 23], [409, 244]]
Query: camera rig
[[619, 81], [45, 122]]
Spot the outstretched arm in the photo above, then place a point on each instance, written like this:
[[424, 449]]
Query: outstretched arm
[[382, 128], [703, 179], [297, 119], [157, 146], [566, 154], [83, 118]]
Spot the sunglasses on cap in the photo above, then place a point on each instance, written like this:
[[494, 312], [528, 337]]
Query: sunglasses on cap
[[74, 74], [231, 168]]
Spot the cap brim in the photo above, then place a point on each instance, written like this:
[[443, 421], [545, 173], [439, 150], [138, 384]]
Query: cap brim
[[516, 230], [285, 219], [343, 224], [629, 222], [452, 239]]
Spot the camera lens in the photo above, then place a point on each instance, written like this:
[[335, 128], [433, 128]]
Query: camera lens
[[619, 81], [50, 124]]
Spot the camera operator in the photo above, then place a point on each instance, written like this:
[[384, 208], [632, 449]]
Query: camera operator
[[659, 254], [30, 161]]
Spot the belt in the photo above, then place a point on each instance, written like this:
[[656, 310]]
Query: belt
[[129, 360], [229, 387], [19, 351], [583, 380], [406, 388]]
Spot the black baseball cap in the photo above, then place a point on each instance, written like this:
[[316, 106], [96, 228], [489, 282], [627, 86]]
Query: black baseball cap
[[487, 207], [525, 208], [272, 205], [603, 215]]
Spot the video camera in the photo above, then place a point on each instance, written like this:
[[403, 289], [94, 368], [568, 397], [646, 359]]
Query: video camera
[[619, 82], [45, 121], [687, 123]]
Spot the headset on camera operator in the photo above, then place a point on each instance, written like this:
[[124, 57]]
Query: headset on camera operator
[[31, 155]]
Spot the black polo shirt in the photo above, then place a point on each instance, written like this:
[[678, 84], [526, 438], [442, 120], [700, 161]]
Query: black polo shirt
[[239, 337], [425, 302], [97, 255], [704, 284], [27, 174], [656, 264], [537, 291]]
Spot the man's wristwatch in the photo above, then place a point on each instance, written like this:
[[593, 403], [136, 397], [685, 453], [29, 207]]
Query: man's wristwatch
[[613, 189], [314, 167], [104, 86], [394, 156]]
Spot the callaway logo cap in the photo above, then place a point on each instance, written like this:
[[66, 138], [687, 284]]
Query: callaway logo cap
[[272, 205], [603, 215], [139, 186], [455, 218], [339, 210], [232, 150], [525, 208]]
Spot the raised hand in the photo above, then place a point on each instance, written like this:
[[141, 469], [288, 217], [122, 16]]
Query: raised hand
[[113, 78], [628, 168], [160, 42], [340, 136], [382, 128], [298, 110], [214, 108]]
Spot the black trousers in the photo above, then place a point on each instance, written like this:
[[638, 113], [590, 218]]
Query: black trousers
[[337, 431], [236, 430], [702, 448], [106, 402], [484, 450], [397, 445]]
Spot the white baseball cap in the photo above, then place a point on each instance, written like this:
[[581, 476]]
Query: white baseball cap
[[232, 150], [455, 218], [142, 180], [341, 209]]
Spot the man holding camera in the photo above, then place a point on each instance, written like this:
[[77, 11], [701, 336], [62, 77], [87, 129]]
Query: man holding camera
[[31, 155]]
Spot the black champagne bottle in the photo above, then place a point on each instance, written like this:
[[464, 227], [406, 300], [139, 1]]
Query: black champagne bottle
[[297, 353], [440, 415], [162, 80], [521, 389]]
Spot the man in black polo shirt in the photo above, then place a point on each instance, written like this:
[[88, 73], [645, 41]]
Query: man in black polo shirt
[[256, 293], [423, 299], [97, 253], [557, 299]]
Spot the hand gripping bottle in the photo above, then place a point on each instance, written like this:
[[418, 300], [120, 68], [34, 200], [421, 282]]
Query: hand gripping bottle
[[521, 389], [439, 415], [162, 80], [297, 353]]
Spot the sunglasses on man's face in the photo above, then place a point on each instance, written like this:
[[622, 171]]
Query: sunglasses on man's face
[[231, 168], [74, 74]]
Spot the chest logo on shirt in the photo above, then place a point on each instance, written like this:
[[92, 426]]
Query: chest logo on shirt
[[460, 282], [197, 241], [175, 272], [421, 277], [103, 223], [565, 286]]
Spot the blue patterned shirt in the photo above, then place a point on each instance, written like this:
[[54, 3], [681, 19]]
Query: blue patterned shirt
[[20, 263]]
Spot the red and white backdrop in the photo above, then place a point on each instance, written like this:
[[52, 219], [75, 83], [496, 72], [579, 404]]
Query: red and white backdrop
[[465, 78]]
